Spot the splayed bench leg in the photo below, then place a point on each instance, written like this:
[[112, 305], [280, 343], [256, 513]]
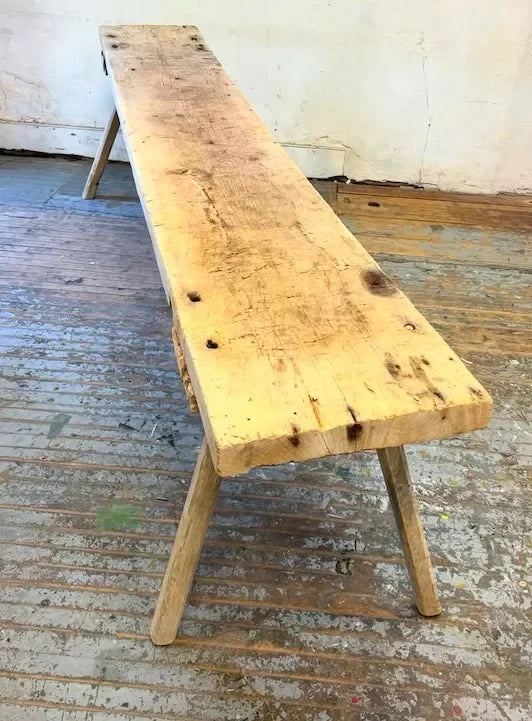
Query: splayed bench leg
[[404, 504], [193, 525], [101, 157]]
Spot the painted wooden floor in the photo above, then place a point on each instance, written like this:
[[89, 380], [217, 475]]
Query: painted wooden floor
[[301, 609]]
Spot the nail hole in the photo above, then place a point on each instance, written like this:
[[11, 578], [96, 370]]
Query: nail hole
[[410, 326], [133, 69], [110, 35], [212, 344], [194, 296], [353, 431], [374, 204], [114, 45]]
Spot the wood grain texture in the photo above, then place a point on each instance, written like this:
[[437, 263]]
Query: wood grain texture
[[405, 509], [101, 157], [301, 346]]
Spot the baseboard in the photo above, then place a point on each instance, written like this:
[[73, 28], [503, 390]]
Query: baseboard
[[54, 139], [314, 162]]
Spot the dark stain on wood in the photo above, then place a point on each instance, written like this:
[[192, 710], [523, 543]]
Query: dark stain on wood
[[353, 430], [378, 282], [420, 373], [294, 438]]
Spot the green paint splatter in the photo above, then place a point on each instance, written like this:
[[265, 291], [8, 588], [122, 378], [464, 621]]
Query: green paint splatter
[[58, 423], [343, 472], [117, 516]]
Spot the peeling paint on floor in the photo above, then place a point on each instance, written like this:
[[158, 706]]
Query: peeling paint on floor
[[301, 607]]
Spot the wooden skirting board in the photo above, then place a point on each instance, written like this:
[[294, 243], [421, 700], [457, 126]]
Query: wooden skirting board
[[290, 338]]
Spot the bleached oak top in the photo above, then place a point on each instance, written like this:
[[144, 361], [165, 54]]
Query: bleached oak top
[[317, 352]]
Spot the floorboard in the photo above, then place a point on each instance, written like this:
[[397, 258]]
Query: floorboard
[[301, 609]]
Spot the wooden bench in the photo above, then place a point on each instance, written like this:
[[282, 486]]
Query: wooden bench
[[290, 339]]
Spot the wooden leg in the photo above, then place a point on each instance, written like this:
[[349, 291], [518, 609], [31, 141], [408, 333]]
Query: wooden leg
[[181, 567], [98, 164], [404, 504]]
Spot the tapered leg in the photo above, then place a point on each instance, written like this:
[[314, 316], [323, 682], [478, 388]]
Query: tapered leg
[[102, 155], [404, 504], [181, 567]]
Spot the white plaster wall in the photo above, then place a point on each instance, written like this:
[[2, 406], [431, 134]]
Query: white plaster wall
[[432, 92]]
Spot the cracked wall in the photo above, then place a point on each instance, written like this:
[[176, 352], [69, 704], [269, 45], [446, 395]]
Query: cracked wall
[[419, 91]]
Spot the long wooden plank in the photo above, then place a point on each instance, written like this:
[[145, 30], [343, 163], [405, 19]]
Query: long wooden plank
[[480, 215], [300, 346], [519, 202]]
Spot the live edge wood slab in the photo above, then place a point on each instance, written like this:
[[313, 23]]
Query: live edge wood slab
[[290, 339]]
